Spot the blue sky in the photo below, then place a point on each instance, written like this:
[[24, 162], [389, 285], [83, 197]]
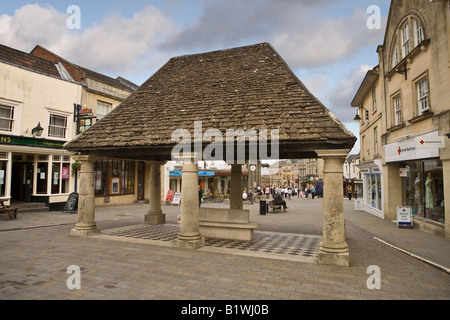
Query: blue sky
[[325, 42]]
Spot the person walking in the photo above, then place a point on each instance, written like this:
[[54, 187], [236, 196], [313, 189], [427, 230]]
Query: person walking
[[313, 191], [349, 192]]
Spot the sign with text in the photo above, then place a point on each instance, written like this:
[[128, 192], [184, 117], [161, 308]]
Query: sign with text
[[404, 217], [421, 147], [176, 198]]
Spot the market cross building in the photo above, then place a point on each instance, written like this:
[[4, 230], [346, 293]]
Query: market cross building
[[248, 88]]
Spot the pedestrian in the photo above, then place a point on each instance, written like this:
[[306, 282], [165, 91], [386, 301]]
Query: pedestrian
[[290, 193], [200, 195], [313, 192], [349, 192], [280, 201]]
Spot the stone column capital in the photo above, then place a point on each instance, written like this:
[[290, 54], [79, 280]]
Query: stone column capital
[[333, 153]]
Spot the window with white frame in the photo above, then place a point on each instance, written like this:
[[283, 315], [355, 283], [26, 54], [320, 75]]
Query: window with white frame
[[375, 140], [57, 126], [418, 32], [395, 57], [405, 40], [423, 96], [6, 118], [398, 118], [103, 108], [374, 99]]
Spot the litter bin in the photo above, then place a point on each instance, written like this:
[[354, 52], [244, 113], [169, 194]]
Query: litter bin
[[262, 207]]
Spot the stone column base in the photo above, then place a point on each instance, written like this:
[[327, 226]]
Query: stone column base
[[334, 256], [189, 244], [84, 233], [155, 219]]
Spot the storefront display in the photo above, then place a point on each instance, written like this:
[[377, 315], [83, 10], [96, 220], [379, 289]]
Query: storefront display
[[114, 177], [425, 189]]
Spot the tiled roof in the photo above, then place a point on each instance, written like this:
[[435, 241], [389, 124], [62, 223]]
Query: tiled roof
[[242, 88], [25, 60], [80, 73]]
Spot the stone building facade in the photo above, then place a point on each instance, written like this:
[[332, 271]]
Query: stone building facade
[[412, 79]]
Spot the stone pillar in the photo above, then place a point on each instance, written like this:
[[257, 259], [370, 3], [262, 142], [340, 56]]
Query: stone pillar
[[392, 190], [333, 248], [189, 235], [155, 215], [86, 199], [236, 201]]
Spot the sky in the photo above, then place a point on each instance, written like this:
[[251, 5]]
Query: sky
[[326, 43]]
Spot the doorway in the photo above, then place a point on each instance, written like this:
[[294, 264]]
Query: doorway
[[140, 180], [22, 181]]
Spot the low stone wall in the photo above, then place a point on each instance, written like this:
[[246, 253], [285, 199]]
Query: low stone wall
[[231, 224]]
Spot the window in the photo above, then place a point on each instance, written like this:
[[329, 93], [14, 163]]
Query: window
[[6, 118], [103, 109], [395, 57], [375, 140], [422, 93], [398, 119], [374, 99], [405, 40], [418, 32], [114, 177], [58, 126]]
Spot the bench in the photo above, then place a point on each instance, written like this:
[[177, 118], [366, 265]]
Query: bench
[[10, 213], [275, 206]]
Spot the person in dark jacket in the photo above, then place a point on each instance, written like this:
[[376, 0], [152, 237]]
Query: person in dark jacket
[[280, 201]]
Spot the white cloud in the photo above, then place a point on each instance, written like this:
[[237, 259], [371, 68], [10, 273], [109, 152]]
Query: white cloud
[[113, 46]]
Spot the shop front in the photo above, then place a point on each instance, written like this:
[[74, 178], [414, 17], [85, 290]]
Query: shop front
[[372, 186], [422, 176], [35, 170]]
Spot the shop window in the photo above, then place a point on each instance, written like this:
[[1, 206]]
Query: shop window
[[373, 194], [3, 178], [425, 189], [114, 177], [41, 179]]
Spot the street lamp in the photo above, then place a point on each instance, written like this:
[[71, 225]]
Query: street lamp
[[358, 118], [37, 131]]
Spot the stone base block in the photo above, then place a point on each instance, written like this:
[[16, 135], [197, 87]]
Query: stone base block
[[336, 259], [230, 231], [191, 244], [84, 233], [155, 219]]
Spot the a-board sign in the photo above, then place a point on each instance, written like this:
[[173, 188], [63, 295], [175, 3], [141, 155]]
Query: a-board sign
[[170, 194], [404, 217], [71, 203], [359, 205], [176, 198]]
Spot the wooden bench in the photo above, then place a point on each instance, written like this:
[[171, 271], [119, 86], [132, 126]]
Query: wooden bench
[[275, 206], [10, 213]]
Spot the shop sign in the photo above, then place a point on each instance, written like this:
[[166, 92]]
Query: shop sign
[[24, 141], [404, 217], [421, 147], [175, 173], [170, 195], [206, 174], [404, 172], [359, 205], [176, 198]]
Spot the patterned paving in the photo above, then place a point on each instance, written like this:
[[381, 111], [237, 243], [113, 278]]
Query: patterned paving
[[282, 246]]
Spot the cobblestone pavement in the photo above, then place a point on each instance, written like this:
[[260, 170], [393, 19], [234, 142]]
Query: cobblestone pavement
[[36, 251]]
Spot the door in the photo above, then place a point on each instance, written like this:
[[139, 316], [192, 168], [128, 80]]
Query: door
[[22, 181], [140, 180]]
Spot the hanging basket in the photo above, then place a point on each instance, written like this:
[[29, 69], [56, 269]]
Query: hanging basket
[[76, 166]]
